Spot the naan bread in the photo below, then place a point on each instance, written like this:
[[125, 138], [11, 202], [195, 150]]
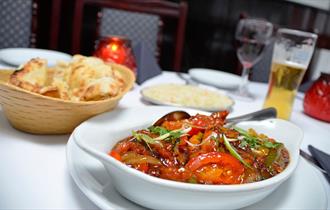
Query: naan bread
[[92, 79], [32, 77], [83, 79]]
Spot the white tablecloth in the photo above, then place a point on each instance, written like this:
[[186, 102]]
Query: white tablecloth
[[33, 168]]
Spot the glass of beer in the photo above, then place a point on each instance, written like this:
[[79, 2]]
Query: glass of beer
[[292, 53]]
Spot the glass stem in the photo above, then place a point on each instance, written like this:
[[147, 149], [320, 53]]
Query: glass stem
[[245, 78]]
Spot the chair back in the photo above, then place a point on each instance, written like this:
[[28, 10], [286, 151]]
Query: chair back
[[19, 23], [138, 27], [139, 20], [16, 23]]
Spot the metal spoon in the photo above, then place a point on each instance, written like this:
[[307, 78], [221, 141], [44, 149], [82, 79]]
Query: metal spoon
[[258, 115], [175, 115], [187, 80]]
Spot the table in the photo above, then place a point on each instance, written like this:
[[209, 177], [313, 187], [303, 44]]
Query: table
[[34, 173]]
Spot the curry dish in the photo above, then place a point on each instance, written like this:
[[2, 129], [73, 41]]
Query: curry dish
[[200, 149]]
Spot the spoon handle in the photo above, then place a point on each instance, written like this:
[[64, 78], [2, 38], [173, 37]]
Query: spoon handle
[[258, 115]]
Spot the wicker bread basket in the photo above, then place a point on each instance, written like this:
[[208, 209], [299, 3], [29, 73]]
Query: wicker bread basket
[[34, 113]]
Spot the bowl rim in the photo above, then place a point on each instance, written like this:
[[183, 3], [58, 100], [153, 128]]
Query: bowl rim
[[8, 85], [279, 178]]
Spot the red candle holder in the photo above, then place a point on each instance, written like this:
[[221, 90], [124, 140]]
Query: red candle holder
[[317, 98], [116, 49]]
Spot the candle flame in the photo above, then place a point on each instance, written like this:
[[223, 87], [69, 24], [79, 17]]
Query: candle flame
[[114, 47]]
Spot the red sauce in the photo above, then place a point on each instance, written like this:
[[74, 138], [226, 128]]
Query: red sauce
[[201, 150]]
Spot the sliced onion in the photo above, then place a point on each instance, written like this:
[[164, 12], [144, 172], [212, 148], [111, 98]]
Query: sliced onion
[[232, 140], [166, 135], [134, 158], [213, 134], [195, 126], [194, 145]]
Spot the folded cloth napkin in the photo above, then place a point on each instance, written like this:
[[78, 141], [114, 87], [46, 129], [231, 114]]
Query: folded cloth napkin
[[147, 66], [321, 157], [305, 86]]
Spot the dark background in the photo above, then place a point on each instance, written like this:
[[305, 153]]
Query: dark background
[[210, 29]]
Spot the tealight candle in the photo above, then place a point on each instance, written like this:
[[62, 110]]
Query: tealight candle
[[116, 49]]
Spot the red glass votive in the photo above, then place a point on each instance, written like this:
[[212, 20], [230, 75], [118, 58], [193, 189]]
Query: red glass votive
[[317, 99], [116, 49]]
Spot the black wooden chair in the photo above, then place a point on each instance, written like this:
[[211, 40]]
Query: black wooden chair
[[20, 23], [142, 21]]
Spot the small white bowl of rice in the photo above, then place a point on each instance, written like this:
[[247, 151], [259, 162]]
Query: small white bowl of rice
[[187, 96]]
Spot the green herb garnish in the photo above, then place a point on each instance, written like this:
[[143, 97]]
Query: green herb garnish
[[192, 180], [216, 140], [175, 134], [170, 135], [158, 130], [166, 135], [243, 144], [271, 145], [144, 137], [253, 141], [233, 152]]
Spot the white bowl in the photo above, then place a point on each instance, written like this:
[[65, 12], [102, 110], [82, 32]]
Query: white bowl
[[215, 78], [97, 138]]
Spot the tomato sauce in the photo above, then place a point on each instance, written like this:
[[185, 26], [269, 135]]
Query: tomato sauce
[[200, 149]]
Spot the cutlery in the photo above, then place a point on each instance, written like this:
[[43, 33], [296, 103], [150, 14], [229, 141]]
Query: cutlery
[[187, 80], [175, 115], [322, 158], [312, 160], [258, 115]]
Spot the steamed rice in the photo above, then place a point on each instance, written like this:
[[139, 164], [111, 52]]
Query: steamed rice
[[188, 95]]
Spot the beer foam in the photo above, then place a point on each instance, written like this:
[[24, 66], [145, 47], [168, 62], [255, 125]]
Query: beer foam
[[292, 64]]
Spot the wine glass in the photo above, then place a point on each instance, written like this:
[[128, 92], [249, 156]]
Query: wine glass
[[252, 35]]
